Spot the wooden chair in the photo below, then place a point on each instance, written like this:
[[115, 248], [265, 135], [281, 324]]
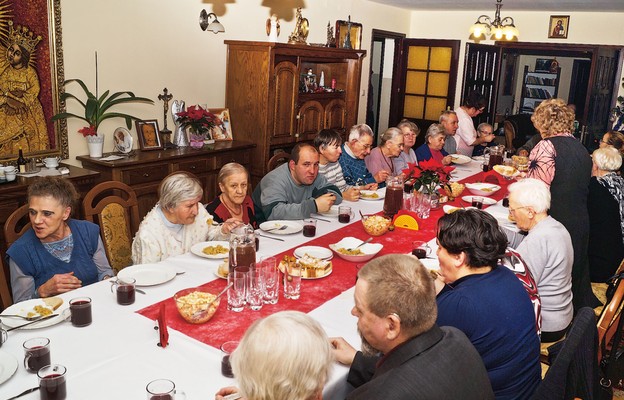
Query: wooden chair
[[114, 207], [14, 227], [600, 291], [278, 159], [609, 319]]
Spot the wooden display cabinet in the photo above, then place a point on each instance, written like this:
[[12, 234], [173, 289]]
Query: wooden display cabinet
[[269, 104]]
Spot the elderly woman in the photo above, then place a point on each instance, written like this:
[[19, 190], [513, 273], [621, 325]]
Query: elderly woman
[[233, 202], [410, 133], [562, 162], [434, 145], [328, 143], [614, 139], [390, 147], [547, 251], [176, 222], [58, 253], [285, 356], [606, 214], [488, 302]]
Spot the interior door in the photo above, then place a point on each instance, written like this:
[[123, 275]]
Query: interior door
[[428, 77], [481, 74]]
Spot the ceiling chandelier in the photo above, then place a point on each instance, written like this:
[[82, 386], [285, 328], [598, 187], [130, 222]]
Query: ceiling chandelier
[[497, 29]]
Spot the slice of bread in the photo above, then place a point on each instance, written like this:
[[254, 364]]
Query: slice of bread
[[53, 302]]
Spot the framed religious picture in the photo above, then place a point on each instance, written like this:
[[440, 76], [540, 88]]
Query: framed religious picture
[[558, 27], [149, 135], [222, 131], [31, 79], [355, 34]]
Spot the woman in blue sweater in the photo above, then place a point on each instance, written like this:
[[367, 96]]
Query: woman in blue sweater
[[487, 302]]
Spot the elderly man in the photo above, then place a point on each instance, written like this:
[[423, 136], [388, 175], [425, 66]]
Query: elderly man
[[467, 137], [448, 120], [396, 310], [352, 158], [295, 190], [547, 250]]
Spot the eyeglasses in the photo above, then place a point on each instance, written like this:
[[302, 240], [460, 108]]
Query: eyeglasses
[[409, 134], [366, 146], [513, 210], [401, 145]]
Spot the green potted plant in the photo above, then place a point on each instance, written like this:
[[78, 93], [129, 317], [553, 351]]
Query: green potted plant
[[96, 109]]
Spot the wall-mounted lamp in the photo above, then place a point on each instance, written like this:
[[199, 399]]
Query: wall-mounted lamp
[[497, 28], [214, 26]]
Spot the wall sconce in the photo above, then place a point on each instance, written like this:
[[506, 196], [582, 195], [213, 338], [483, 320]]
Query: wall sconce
[[214, 26], [497, 28]]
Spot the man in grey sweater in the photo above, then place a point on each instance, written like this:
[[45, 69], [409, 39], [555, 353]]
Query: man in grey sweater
[[547, 250], [449, 121], [295, 190]]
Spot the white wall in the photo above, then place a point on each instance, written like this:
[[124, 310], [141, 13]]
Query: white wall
[[146, 45]]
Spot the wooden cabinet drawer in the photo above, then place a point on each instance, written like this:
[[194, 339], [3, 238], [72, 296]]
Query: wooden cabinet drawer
[[145, 174], [239, 157], [196, 166]]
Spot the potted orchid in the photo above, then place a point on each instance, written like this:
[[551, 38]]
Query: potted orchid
[[199, 123]]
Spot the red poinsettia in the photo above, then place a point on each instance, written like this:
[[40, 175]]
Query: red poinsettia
[[198, 119], [88, 131], [428, 174]]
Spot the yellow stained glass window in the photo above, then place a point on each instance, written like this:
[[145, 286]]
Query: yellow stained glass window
[[438, 84], [441, 58], [417, 57], [414, 107], [435, 107], [415, 82]]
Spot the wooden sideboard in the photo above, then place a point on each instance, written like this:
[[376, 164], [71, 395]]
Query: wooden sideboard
[[144, 170]]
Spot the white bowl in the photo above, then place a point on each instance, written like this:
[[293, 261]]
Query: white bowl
[[482, 189], [369, 250]]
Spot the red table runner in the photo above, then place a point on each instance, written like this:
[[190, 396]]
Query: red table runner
[[226, 325]]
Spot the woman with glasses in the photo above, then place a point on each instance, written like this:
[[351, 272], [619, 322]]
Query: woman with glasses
[[466, 136], [380, 158], [410, 133]]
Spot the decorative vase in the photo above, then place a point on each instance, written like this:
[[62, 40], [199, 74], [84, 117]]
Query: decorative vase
[[96, 145], [180, 137], [196, 138]]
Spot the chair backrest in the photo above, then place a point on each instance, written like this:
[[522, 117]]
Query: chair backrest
[[6, 297], [610, 317], [14, 227], [114, 207], [574, 371], [278, 159]]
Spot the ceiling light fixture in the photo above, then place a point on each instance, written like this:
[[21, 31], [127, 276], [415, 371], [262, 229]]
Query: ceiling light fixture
[[497, 28], [214, 26]]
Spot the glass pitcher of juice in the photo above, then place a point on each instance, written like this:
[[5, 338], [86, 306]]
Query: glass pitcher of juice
[[393, 201], [242, 247]]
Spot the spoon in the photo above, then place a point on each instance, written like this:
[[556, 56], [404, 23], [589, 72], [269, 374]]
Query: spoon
[[198, 313], [361, 244]]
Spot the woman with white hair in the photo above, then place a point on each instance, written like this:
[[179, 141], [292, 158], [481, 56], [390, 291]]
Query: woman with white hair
[[285, 356], [434, 145], [606, 214], [176, 222], [547, 251], [390, 147]]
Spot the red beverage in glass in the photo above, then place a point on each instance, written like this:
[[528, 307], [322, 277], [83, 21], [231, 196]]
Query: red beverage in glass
[[477, 204], [309, 230], [495, 159], [161, 397], [53, 387], [80, 312], [344, 218], [38, 357], [125, 294], [506, 202], [226, 367], [245, 257], [393, 201], [420, 253], [486, 167]]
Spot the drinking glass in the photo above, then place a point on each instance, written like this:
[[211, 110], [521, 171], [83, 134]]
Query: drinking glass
[[344, 214], [236, 292], [52, 382], [80, 308], [477, 202], [421, 249], [227, 348], [36, 354], [292, 281], [270, 275], [255, 290], [309, 227], [424, 205], [163, 389], [125, 289]]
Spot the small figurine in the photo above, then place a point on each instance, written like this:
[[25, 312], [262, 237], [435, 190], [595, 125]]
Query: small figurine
[[165, 133], [347, 40], [180, 138], [273, 28], [300, 34], [331, 40]]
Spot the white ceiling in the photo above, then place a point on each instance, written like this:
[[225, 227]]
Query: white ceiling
[[510, 5]]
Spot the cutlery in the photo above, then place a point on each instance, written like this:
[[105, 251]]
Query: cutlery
[[269, 237], [321, 219], [233, 396], [139, 290], [32, 322], [281, 228], [361, 215], [34, 317], [361, 244], [180, 272], [196, 314], [25, 392]]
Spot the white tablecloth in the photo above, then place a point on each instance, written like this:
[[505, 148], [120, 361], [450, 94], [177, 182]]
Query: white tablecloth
[[116, 356]]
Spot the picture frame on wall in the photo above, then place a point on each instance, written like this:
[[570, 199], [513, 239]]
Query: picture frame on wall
[[223, 131], [355, 33], [149, 134], [543, 64], [33, 131], [558, 26]]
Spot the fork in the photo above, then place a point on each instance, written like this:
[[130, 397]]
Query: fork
[[281, 228], [34, 317]]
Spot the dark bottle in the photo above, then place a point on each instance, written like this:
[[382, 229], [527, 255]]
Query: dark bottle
[[21, 162]]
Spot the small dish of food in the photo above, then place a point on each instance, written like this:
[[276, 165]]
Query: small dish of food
[[376, 225], [214, 249], [482, 188], [195, 305], [460, 159], [361, 254], [506, 171]]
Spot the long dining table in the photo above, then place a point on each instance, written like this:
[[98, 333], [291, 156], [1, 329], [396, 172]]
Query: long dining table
[[118, 354]]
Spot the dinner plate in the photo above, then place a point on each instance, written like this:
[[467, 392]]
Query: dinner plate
[[449, 209], [24, 307], [460, 159], [148, 274], [333, 212], [314, 251], [8, 366], [368, 195], [123, 140], [486, 200], [198, 248], [281, 268], [272, 227]]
